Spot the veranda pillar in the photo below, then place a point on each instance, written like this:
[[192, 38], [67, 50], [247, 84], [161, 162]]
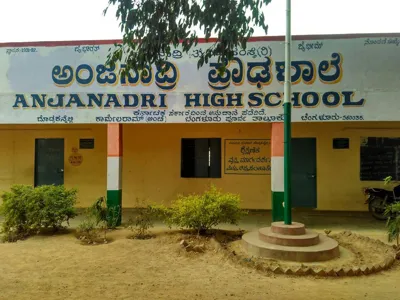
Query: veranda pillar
[[114, 168]]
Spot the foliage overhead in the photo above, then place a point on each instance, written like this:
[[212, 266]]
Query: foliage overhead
[[151, 27]]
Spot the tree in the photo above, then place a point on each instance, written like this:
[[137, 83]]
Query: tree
[[151, 27]]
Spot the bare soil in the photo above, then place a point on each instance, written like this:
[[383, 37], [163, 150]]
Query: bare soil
[[59, 267]]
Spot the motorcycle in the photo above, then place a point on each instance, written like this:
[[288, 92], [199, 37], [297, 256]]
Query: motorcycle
[[379, 199]]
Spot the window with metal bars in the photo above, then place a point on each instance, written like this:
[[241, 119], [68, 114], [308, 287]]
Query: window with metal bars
[[201, 158]]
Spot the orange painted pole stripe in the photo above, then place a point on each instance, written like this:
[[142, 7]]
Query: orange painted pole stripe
[[277, 140], [114, 140]]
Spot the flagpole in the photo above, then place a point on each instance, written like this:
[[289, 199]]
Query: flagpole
[[287, 107]]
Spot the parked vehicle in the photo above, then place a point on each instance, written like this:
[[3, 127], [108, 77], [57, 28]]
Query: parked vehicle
[[379, 199]]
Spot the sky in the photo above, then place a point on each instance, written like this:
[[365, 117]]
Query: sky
[[52, 20]]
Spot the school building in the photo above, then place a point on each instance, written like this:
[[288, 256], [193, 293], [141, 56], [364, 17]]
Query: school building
[[67, 118]]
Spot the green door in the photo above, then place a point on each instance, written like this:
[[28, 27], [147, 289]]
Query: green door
[[49, 162], [304, 173]]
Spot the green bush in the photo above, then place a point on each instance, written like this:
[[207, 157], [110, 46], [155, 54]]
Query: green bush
[[143, 221], [57, 205], [98, 219], [17, 210], [203, 212], [102, 213], [393, 222], [27, 210], [89, 231]]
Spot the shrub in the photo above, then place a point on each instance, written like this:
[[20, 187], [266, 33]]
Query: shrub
[[27, 210], [113, 217], [393, 222], [142, 222], [99, 218], [89, 231], [102, 213], [57, 205], [15, 208], [203, 212]]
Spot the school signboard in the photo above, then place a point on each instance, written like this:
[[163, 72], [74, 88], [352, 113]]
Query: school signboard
[[335, 78]]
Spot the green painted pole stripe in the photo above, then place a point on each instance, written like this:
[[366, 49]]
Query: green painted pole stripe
[[114, 201], [287, 118], [277, 208], [287, 163]]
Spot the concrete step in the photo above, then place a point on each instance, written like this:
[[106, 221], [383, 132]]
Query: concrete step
[[326, 249], [310, 238], [293, 229]]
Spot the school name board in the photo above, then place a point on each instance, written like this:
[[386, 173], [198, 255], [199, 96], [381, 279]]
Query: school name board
[[348, 79], [247, 156]]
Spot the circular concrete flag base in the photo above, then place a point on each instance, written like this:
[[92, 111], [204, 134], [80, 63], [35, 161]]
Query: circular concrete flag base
[[290, 242]]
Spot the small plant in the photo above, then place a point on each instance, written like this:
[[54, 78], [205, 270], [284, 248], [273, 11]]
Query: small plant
[[388, 180], [113, 217], [28, 210], [393, 222], [87, 231], [203, 212], [99, 218], [98, 210], [142, 222], [102, 213]]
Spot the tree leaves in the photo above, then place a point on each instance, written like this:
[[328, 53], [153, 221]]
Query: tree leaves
[[150, 27]]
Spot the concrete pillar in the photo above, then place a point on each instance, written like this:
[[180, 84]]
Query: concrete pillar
[[114, 167], [277, 171]]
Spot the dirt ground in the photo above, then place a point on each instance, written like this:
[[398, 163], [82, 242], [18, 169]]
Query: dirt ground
[[59, 267]]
